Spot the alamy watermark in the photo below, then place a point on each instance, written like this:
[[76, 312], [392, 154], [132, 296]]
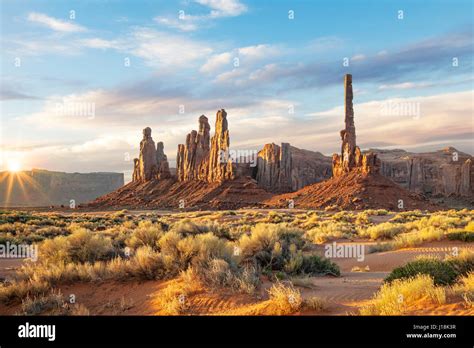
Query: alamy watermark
[[76, 109], [19, 251], [239, 156], [345, 251], [401, 109]]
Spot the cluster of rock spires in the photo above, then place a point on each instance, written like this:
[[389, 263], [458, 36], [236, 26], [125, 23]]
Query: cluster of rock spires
[[202, 158], [285, 168], [351, 157], [152, 162]]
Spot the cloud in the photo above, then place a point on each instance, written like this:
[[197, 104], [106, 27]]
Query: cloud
[[55, 24], [247, 56], [216, 62], [405, 85], [8, 94], [432, 56], [158, 49], [99, 43], [224, 8], [218, 9]]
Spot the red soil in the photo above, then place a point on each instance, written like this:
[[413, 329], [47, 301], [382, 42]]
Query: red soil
[[233, 194], [353, 191]]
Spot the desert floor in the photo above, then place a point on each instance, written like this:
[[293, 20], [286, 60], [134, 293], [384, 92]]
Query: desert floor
[[344, 295]]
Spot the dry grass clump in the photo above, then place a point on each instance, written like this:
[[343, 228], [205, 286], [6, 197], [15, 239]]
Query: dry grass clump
[[397, 297], [21, 289], [411, 239], [385, 230], [175, 298], [377, 212], [465, 287], [145, 234], [81, 246], [275, 247], [329, 230], [53, 301], [218, 273], [314, 304], [443, 272], [284, 299], [344, 216]]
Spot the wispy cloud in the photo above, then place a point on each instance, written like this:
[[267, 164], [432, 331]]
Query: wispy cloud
[[217, 9], [54, 23]]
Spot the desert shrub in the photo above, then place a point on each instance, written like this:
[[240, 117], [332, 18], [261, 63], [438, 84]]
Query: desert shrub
[[51, 231], [362, 218], [464, 236], [376, 212], [218, 273], [11, 228], [343, 216], [81, 246], [463, 263], [270, 245], [317, 265], [441, 271], [21, 289], [314, 304], [85, 246], [469, 227], [328, 230], [274, 217], [146, 233], [119, 214], [412, 239], [386, 230], [185, 227], [36, 305], [55, 250], [174, 299], [465, 287], [284, 299], [406, 216], [396, 297], [145, 264]]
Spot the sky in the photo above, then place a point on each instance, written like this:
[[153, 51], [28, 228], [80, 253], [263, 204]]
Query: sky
[[79, 80]]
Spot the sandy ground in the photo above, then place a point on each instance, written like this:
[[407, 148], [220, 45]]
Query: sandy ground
[[342, 295]]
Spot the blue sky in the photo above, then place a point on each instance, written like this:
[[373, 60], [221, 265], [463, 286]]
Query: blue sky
[[183, 54]]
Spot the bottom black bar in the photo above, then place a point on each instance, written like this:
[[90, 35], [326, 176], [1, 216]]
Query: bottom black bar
[[225, 331]]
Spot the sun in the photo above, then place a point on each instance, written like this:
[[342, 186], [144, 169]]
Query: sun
[[13, 166]]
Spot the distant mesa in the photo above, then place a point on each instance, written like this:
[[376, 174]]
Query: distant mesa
[[40, 188]]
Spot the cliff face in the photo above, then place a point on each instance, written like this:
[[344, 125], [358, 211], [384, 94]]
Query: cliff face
[[286, 168], [446, 172], [44, 188]]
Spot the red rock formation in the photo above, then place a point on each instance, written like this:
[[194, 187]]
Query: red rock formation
[[197, 160], [351, 157], [151, 163], [163, 168], [220, 166], [446, 172], [287, 168]]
